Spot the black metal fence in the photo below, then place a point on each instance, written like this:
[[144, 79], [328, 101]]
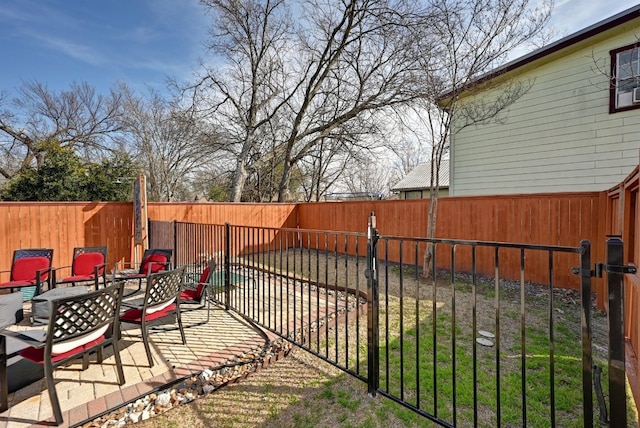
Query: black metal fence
[[458, 346]]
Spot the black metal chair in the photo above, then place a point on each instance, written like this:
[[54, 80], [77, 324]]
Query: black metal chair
[[153, 260], [78, 326], [30, 269], [196, 293], [161, 301], [89, 264]]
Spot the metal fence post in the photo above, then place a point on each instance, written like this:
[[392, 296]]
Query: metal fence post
[[175, 244], [4, 384], [227, 266], [615, 277], [373, 332], [587, 357]]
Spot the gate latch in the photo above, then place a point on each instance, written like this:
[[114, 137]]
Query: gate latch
[[603, 267]]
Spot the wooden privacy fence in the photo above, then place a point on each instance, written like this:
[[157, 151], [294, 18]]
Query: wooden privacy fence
[[65, 225], [545, 219], [548, 219], [622, 219]]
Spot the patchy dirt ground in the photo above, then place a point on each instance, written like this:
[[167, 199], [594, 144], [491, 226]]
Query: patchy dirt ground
[[297, 391], [304, 391]]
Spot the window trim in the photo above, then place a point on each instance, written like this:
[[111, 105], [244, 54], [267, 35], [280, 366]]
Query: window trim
[[614, 81]]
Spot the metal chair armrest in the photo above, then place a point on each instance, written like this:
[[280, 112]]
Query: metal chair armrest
[[96, 269], [167, 266], [50, 279], [97, 274], [190, 285]]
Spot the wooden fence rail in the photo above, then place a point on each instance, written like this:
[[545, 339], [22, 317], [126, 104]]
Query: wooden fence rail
[[554, 219], [547, 219]]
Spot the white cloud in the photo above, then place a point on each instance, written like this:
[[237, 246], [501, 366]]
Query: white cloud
[[43, 27], [72, 49]]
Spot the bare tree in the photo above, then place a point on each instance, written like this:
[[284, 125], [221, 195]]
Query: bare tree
[[357, 57], [243, 96], [78, 118], [287, 86], [406, 135], [167, 143], [327, 163], [282, 88], [473, 38], [369, 178], [324, 165]]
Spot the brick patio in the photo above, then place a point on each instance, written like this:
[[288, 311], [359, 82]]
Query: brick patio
[[87, 394]]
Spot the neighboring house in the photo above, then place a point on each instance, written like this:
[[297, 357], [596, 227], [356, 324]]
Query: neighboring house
[[417, 183], [576, 129]]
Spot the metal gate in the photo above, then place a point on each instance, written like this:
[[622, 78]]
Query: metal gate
[[613, 412]]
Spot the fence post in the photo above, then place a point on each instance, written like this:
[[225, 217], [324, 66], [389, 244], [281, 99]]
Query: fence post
[[227, 265], [615, 278], [373, 332], [587, 357], [175, 244], [4, 384]]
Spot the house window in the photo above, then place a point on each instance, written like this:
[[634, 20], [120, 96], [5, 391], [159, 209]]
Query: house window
[[413, 194], [625, 78]]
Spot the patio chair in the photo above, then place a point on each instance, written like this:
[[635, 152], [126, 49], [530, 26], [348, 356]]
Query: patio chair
[[153, 260], [161, 301], [89, 264], [78, 326], [30, 269], [196, 293]]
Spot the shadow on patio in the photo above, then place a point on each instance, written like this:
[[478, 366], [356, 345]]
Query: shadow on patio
[[85, 395]]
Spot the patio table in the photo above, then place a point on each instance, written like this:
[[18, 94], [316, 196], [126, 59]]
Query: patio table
[[41, 304], [25, 373]]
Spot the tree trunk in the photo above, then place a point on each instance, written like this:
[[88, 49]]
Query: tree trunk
[[239, 178], [283, 187], [431, 232]]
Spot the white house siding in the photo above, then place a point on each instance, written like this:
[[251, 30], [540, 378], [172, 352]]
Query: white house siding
[[559, 137]]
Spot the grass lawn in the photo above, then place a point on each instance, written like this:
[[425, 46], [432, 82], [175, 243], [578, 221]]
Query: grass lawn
[[431, 359]]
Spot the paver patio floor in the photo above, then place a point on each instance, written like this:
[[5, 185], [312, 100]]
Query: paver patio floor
[[89, 393]]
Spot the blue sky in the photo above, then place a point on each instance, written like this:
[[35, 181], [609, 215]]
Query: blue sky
[[141, 42]]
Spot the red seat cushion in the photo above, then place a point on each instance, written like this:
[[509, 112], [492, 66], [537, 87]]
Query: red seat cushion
[[78, 278], [37, 354], [85, 263], [156, 261], [18, 283], [189, 295], [24, 269], [204, 278], [135, 314], [196, 294]]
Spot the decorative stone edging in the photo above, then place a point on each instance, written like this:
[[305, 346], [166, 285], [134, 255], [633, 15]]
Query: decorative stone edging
[[193, 387]]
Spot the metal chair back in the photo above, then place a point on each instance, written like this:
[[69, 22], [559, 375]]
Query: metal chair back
[[78, 325]]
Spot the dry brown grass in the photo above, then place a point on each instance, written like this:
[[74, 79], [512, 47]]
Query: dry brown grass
[[297, 391], [304, 391]]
